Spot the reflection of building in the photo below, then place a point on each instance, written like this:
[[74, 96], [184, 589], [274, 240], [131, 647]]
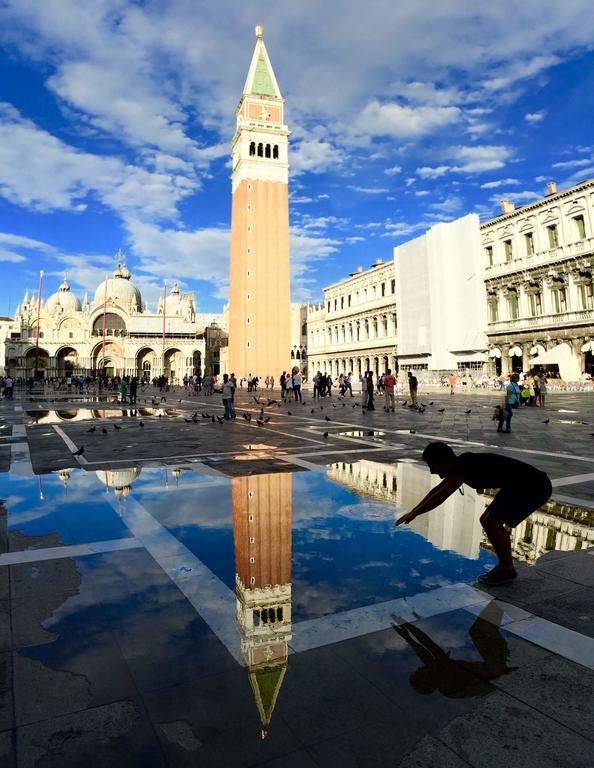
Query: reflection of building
[[454, 526], [367, 477], [259, 297], [262, 511], [115, 332], [539, 282], [119, 480], [555, 526], [355, 328]]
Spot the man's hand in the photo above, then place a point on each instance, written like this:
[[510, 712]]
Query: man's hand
[[409, 517]]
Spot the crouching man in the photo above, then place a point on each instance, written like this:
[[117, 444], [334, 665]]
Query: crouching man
[[522, 490]]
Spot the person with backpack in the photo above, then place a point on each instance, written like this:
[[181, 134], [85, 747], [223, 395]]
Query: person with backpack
[[512, 399]]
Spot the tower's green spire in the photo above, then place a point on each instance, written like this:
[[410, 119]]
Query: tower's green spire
[[261, 80]]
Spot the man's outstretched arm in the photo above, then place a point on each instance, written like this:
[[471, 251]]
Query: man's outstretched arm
[[433, 499]]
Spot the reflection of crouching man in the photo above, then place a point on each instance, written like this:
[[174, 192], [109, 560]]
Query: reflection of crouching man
[[523, 489]]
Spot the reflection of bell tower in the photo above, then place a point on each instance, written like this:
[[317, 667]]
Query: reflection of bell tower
[[262, 510]]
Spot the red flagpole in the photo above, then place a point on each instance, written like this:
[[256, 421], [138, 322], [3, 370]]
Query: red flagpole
[[104, 322], [164, 316], [38, 314]]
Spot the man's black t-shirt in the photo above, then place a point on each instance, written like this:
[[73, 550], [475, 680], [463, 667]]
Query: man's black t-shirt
[[412, 382], [491, 470]]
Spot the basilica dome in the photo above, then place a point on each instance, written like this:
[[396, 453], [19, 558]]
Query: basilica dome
[[63, 300], [119, 479], [120, 291]]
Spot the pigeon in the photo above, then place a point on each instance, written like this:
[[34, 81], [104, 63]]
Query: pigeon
[[312, 411], [194, 419], [163, 399], [159, 415], [412, 431], [370, 434], [404, 403], [115, 426], [219, 419], [93, 429], [245, 416], [249, 416], [325, 435], [355, 405], [289, 413], [431, 403], [334, 406], [441, 410], [80, 451], [259, 423], [212, 418], [546, 421], [326, 417], [188, 421], [468, 411], [266, 420], [104, 430], [179, 401], [141, 424], [321, 407], [344, 405]]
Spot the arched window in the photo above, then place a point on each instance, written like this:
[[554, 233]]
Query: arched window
[[252, 148], [292, 354], [298, 355], [267, 151], [275, 152], [260, 150]]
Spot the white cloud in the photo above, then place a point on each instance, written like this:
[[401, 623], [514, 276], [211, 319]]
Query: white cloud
[[322, 222], [535, 117], [400, 121], [433, 173], [580, 163], [499, 183], [450, 204], [422, 193], [410, 181], [516, 197], [393, 171], [39, 171], [6, 255], [315, 156], [481, 158], [354, 239], [368, 190]]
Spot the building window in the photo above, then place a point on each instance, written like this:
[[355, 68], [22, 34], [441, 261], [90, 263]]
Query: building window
[[248, 321], [252, 540], [489, 255], [349, 300], [335, 304], [252, 560], [509, 253], [252, 148], [342, 302], [249, 296], [267, 152], [260, 150], [275, 152], [252, 580], [249, 187], [559, 296], [393, 286], [249, 228], [248, 344], [553, 236], [383, 289], [580, 227], [586, 294], [513, 305], [249, 207], [70, 335], [328, 306], [529, 241], [535, 299], [248, 273], [249, 251]]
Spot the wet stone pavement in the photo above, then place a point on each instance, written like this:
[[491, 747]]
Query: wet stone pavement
[[187, 592]]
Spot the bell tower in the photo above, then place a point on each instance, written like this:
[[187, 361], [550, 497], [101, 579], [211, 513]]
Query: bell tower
[[259, 295]]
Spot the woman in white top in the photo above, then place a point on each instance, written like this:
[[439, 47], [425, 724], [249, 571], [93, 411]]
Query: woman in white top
[[289, 387]]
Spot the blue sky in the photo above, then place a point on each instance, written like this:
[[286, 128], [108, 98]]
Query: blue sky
[[116, 120]]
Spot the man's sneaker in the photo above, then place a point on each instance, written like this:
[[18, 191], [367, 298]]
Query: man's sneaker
[[497, 576]]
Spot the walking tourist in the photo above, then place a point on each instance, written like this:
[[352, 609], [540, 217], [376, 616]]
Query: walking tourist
[[289, 386], [542, 390], [133, 389], [522, 490], [283, 384], [453, 382], [123, 390], [370, 391], [512, 399], [413, 385], [8, 387]]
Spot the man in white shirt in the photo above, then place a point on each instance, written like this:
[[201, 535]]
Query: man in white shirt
[[297, 379]]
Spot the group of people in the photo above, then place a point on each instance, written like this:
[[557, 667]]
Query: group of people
[[291, 383]]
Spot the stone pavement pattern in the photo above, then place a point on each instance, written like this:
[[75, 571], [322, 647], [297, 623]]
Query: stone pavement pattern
[[105, 662]]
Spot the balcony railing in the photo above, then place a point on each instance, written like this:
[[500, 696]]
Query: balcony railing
[[547, 257], [561, 320]]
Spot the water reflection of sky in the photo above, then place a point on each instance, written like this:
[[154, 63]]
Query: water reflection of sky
[[346, 551]]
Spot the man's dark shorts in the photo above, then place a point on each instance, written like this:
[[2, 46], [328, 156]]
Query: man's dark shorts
[[511, 507]]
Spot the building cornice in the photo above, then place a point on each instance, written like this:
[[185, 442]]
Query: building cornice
[[517, 212]]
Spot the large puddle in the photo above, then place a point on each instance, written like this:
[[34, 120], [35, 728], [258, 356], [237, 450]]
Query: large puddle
[[330, 535]]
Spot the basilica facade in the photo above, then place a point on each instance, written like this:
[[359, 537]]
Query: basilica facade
[[114, 333]]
